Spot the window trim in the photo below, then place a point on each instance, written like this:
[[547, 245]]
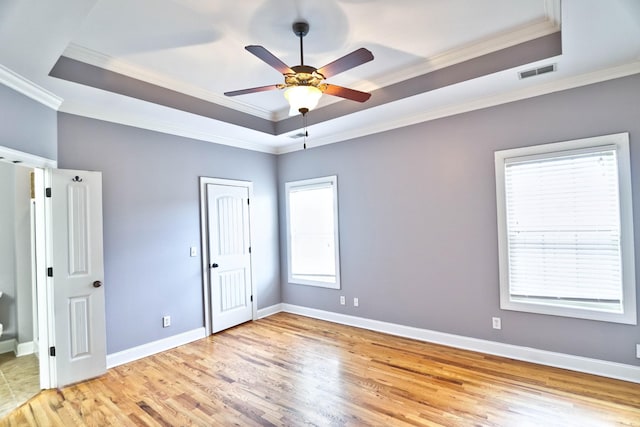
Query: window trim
[[332, 180], [621, 143]]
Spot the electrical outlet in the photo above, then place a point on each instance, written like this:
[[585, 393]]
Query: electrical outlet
[[356, 302], [194, 251], [166, 321], [343, 300], [497, 323], [638, 351]]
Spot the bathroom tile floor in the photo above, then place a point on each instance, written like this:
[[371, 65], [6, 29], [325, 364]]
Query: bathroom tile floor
[[19, 381]]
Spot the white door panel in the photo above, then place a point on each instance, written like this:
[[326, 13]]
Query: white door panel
[[229, 255], [76, 217]]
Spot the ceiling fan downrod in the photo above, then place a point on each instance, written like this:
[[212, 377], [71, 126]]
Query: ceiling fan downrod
[[301, 29]]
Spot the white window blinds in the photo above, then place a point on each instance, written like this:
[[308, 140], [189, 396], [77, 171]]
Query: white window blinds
[[563, 227]]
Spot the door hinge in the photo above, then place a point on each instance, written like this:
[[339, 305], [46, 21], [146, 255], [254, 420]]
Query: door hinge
[[251, 298], [249, 249], [47, 191], [248, 202], [52, 351], [50, 272]]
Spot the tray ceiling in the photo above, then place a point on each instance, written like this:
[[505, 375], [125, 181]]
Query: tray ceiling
[[164, 64]]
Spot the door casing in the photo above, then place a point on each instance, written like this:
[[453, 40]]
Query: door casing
[[204, 239], [44, 298]]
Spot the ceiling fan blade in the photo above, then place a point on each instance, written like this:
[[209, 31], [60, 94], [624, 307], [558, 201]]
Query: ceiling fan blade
[[251, 90], [269, 58], [351, 60], [344, 92]]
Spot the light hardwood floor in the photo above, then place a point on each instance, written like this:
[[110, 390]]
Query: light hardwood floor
[[295, 371]]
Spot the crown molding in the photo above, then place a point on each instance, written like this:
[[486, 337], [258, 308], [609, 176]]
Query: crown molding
[[9, 155], [116, 65], [144, 122], [494, 43], [477, 104], [466, 53], [26, 87]]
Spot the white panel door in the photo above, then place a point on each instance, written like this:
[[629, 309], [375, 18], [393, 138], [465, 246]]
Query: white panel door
[[78, 293], [229, 255]]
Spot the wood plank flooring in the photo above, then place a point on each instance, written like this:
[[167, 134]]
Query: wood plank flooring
[[288, 370]]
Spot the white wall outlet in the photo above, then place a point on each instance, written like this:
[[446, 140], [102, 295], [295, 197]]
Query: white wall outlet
[[194, 251], [166, 321], [343, 300], [497, 322], [356, 302], [638, 351]]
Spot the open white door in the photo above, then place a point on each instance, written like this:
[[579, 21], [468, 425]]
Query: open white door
[[229, 255], [78, 294]]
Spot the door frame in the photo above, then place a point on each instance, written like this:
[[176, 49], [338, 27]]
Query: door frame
[[44, 298], [204, 246]]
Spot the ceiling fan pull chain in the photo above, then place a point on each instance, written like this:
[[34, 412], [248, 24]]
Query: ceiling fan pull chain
[[303, 112]]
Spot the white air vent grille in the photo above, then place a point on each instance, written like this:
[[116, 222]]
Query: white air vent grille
[[537, 71]]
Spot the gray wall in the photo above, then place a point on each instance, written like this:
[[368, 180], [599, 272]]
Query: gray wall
[[8, 311], [151, 218], [26, 125], [16, 306], [22, 227], [417, 215]]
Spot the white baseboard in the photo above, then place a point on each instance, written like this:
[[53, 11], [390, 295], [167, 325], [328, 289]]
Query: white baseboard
[[148, 349], [24, 348], [13, 346], [268, 311], [559, 360], [7, 346]]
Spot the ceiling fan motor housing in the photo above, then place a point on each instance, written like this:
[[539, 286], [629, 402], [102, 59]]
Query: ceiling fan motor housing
[[301, 28], [304, 75]]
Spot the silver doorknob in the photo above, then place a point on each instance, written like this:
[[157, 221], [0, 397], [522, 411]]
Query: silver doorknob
[[214, 265], [97, 284]]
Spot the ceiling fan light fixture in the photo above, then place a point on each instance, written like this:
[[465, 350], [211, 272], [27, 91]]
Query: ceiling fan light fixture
[[299, 97]]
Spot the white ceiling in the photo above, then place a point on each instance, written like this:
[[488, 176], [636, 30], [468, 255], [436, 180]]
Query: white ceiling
[[196, 48]]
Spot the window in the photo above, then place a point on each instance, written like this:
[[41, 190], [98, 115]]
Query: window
[[312, 232], [565, 229]]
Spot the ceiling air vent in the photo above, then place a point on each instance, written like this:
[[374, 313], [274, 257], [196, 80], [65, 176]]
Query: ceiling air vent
[[537, 71], [297, 135]]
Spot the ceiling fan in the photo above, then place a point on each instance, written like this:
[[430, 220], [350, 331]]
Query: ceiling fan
[[303, 84]]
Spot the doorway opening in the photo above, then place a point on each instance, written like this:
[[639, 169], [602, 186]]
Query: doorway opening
[[24, 359]]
